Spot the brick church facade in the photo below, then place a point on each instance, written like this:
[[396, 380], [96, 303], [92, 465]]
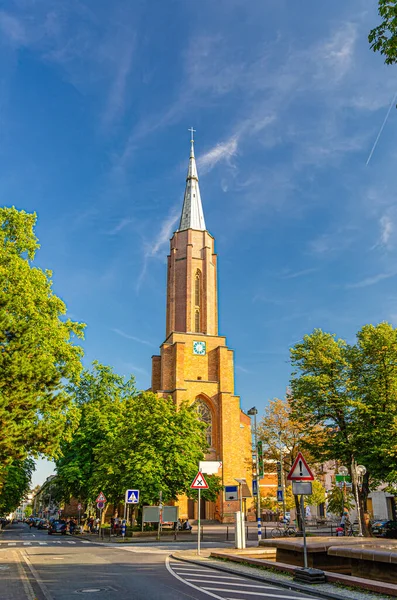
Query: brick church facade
[[195, 364]]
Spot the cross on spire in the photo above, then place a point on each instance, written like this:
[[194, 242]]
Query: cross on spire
[[192, 132]]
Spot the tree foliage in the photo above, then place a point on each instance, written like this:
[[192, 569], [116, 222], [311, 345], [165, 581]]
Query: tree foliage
[[383, 38], [129, 439], [17, 481], [37, 349], [350, 392], [337, 501]]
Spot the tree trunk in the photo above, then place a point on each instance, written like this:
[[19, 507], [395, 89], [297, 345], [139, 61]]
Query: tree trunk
[[298, 513]]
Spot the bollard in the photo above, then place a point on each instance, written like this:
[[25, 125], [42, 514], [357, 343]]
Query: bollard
[[265, 533], [202, 533], [227, 533]]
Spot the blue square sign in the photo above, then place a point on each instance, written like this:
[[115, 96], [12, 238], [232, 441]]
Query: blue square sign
[[132, 497], [279, 495]]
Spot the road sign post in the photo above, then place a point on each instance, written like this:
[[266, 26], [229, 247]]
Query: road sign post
[[79, 507], [199, 483], [302, 477]]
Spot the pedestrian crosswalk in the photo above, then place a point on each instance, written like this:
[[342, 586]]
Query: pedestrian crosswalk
[[228, 586], [48, 543]]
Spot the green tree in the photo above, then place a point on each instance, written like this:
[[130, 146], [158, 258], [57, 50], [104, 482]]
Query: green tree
[[283, 437], [100, 397], [350, 392], [318, 496], [383, 38], [18, 475], [37, 349], [337, 500], [28, 511], [156, 446]]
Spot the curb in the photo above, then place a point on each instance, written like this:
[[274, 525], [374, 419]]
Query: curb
[[314, 591]]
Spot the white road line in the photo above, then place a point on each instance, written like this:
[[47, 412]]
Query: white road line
[[85, 542], [214, 577], [43, 543], [196, 587], [273, 595], [249, 585], [37, 577], [71, 542], [12, 543], [27, 543]]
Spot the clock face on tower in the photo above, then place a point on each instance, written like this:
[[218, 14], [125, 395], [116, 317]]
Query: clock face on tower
[[199, 348]]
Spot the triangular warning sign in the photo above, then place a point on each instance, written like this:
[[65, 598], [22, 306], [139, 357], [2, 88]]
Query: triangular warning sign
[[199, 482], [300, 470], [101, 498]]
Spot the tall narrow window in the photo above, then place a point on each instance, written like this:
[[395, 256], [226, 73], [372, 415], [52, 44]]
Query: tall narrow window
[[197, 321], [197, 288], [204, 414]]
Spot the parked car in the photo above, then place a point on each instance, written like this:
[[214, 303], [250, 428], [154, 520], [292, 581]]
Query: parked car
[[43, 524], [58, 526], [386, 529]]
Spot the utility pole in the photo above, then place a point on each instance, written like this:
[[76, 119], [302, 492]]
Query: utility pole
[[282, 472], [253, 412]]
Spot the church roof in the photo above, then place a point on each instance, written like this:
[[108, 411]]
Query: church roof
[[192, 216]]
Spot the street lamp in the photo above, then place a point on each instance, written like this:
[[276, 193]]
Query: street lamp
[[282, 476], [358, 472], [252, 413]]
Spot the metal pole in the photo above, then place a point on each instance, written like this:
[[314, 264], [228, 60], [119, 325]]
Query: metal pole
[[258, 494], [304, 532], [282, 476], [355, 484], [198, 523]]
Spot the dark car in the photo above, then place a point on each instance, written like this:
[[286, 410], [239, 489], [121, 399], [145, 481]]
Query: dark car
[[57, 527], [386, 529], [42, 524]]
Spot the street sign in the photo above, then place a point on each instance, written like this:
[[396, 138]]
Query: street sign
[[132, 496], [343, 478], [100, 505], [279, 495], [231, 492], [259, 460], [210, 467], [300, 470], [302, 488], [101, 497], [199, 482], [279, 473], [255, 487], [79, 507]]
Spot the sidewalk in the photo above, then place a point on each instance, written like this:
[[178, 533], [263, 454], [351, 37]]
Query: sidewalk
[[265, 575]]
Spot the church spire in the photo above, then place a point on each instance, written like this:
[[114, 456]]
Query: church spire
[[192, 216]]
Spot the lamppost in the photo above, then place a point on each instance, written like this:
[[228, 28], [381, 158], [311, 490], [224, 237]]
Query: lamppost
[[358, 472], [252, 413], [282, 476]]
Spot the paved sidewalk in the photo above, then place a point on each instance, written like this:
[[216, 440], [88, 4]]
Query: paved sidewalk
[[326, 590]]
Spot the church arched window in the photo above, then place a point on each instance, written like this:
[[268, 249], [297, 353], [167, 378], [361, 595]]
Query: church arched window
[[197, 288], [197, 321], [204, 413]]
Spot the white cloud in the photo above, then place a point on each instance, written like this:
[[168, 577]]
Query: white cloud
[[120, 226], [386, 226], [12, 29], [117, 93], [221, 151], [371, 280], [132, 337]]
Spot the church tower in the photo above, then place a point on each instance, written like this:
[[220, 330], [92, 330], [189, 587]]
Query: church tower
[[195, 363]]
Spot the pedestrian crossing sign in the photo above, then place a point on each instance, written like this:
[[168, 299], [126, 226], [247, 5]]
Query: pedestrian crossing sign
[[132, 497], [101, 498]]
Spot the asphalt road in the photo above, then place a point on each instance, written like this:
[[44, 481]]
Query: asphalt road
[[36, 566]]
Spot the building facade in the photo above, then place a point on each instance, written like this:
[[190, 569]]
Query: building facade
[[195, 364]]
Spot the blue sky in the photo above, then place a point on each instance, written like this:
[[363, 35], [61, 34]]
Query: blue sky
[[287, 99]]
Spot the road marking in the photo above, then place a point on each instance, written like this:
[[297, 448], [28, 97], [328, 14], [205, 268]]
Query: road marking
[[272, 595], [264, 587], [197, 578], [27, 543], [71, 542], [12, 543], [196, 587], [37, 577], [27, 586], [85, 542], [43, 543]]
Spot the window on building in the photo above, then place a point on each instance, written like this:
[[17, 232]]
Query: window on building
[[197, 321], [205, 416], [197, 288]]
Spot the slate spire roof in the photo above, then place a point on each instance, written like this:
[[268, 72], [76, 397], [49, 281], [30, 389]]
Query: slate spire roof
[[192, 216]]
